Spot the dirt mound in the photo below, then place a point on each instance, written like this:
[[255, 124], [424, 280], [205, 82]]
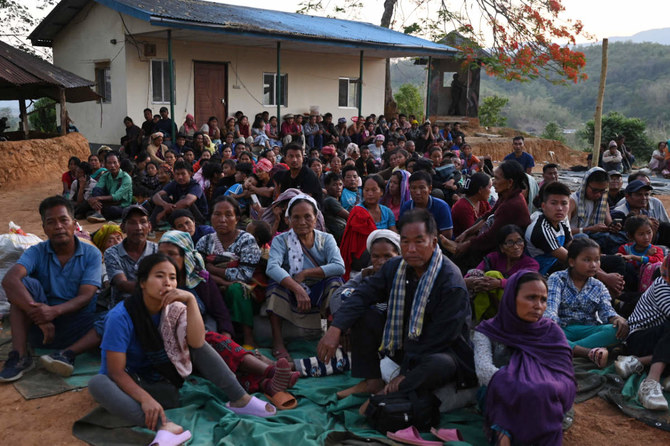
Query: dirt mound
[[38, 160], [543, 150]]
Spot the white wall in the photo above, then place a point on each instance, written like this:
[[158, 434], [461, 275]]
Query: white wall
[[313, 78]]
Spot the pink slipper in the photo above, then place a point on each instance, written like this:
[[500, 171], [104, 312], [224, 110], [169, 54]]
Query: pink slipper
[[167, 438], [447, 434], [411, 436], [254, 407]]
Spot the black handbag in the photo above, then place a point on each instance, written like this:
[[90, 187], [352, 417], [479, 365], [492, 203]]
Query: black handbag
[[399, 410]]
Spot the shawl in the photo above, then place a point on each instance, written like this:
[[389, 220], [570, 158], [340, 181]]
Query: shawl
[[172, 328], [101, 235], [187, 127], [193, 262], [383, 234], [360, 225], [538, 383], [404, 190], [393, 330], [599, 207]]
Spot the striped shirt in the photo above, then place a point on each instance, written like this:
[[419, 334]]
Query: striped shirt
[[542, 239], [653, 308]]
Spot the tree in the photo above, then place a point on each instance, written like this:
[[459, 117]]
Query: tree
[[614, 124], [19, 19], [553, 131], [490, 111], [44, 117], [409, 100]]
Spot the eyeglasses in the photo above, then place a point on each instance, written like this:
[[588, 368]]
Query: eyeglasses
[[511, 243], [597, 191]]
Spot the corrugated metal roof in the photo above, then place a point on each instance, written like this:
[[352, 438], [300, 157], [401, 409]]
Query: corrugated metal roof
[[219, 17], [23, 73]]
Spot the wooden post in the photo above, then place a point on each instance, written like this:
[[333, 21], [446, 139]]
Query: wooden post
[[24, 117], [360, 86], [172, 89], [598, 118], [278, 94], [428, 92], [63, 112]]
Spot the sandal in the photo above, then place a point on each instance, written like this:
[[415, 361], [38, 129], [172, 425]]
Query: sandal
[[167, 438], [282, 353], [447, 434], [411, 436], [283, 400], [599, 356], [255, 407]]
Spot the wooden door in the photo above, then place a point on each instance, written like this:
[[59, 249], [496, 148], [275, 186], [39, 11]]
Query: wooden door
[[211, 92]]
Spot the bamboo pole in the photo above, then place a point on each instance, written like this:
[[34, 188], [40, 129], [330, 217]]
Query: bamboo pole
[[598, 118]]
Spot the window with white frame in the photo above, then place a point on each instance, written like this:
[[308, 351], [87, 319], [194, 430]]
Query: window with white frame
[[103, 83], [348, 92], [270, 89], [160, 81]]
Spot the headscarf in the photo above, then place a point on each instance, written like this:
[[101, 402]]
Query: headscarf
[[351, 148], [188, 127], [538, 383], [193, 262], [404, 189], [101, 235], [599, 207], [263, 165], [269, 217], [156, 135], [383, 234], [360, 225]]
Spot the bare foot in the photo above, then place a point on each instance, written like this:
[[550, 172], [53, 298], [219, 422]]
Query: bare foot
[[365, 386], [172, 427], [363, 408]]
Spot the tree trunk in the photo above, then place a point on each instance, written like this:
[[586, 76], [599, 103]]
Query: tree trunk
[[390, 106], [598, 118]]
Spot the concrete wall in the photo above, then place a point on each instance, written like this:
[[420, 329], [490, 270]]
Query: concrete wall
[[313, 78]]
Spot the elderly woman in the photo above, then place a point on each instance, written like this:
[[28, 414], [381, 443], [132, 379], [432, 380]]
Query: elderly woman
[[231, 258], [156, 149], [305, 268], [274, 215], [188, 128]]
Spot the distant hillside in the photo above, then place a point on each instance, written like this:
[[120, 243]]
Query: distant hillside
[[661, 35]]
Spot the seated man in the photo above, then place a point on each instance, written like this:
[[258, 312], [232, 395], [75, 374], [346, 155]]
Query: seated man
[[181, 193], [51, 289], [431, 343], [519, 155], [420, 187], [638, 201], [113, 192], [612, 158]]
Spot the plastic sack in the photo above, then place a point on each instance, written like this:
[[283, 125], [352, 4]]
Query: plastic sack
[[12, 245]]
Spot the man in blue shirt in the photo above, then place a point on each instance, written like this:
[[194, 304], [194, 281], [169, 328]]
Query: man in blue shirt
[[420, 187], [51, 289], [521, 157], [181, 193]]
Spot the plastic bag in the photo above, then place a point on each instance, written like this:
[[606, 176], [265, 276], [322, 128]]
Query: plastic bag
[[12, 245]]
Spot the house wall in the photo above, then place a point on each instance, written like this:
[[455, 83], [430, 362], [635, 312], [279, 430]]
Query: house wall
[[313, 79]]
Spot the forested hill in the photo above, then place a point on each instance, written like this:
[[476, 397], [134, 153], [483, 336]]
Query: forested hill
[[638, 85]]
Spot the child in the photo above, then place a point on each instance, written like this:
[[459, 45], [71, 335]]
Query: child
[[471, 163], [642, 258], [243, 173], [577, 301], [351, 194], [68, 177], [548, 235]]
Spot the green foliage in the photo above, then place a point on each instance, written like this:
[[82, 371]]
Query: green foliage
[[409, 100], [553, 131], [44, 119], [614, 124], [12, 118], [490, 111]]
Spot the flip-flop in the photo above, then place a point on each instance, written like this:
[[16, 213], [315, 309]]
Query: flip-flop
[[411, 436], [283, 400], [447, 434], [255, 407], [167, 438], [279, 354]]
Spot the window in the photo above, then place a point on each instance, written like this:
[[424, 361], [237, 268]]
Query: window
[[348, 92], [103, 83], [270, 88], [160, 81]]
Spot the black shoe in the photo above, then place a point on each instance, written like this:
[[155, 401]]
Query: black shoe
[[60, 363], [15, 367]]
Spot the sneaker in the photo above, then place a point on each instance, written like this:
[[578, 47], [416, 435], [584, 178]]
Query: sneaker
[[96, 218], [627, 365], [651, 396], [15, 367], [666, 384], [60, 363]]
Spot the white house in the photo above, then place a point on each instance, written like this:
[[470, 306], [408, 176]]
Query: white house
[[225, 58]]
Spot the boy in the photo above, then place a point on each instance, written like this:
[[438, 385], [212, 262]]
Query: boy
[[189, 155], [351, 194], [244, 177], [471, 163], [181, 193], [335, 216], [548, 235], [183, 220]]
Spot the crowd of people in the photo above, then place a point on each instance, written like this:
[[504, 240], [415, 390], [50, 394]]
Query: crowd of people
[[414, 249]]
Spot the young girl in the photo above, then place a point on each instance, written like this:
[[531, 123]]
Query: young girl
[[642, 258], [576, 296]]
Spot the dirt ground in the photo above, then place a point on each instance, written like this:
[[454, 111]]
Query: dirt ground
[[49, 420]]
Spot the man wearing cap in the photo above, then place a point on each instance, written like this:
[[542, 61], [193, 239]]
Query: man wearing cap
[[520, 156], [290, 131], [615, 193], [121, 260], [612, 158], [313, 133], [638, 201], [414, 133]]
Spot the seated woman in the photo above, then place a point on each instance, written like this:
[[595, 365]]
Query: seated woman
[[156, 149], [488, 280], [305, 268], [275, 214], [397, 192], [468, 209], [525, 365], [364, 218], [578, 302], [231, 256], [649, 342], [151, 342]]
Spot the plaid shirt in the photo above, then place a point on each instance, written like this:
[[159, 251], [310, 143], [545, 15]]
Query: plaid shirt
[[568, 306]]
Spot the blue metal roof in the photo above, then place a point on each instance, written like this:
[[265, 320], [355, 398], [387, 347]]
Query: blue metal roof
[[223, 18]]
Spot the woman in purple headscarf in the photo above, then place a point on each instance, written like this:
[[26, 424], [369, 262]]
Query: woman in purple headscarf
[[525, 363]]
